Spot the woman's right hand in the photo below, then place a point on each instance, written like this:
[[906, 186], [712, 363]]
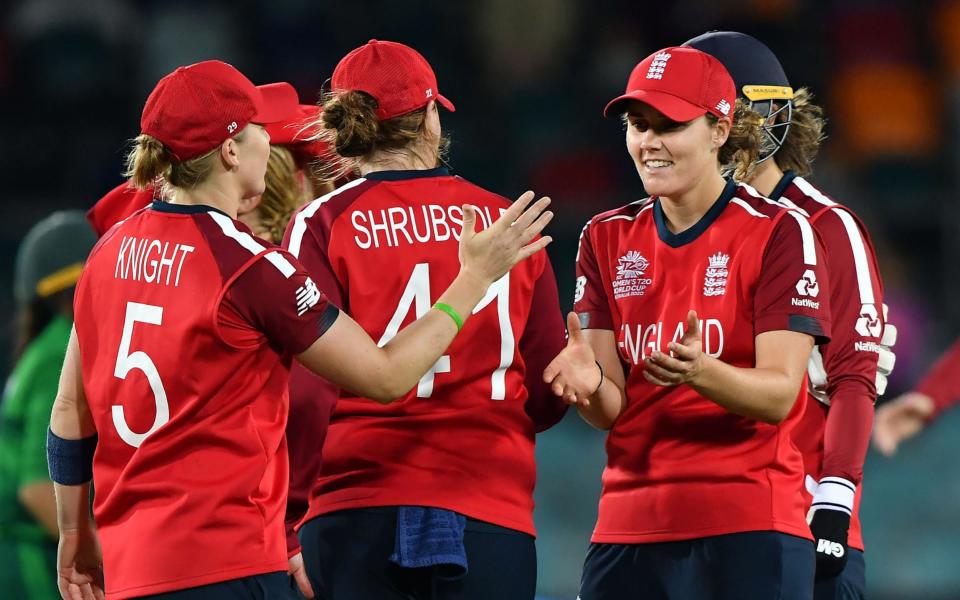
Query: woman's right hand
[[899, 419], [574, 374], [489, 254]]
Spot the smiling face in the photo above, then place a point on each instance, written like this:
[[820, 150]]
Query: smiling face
[[672, 158]]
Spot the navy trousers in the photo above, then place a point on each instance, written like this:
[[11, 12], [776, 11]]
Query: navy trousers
[[269, 586], [346, 554], [761, 565]]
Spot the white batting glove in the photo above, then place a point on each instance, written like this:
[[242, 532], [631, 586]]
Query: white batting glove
[[887, 359]]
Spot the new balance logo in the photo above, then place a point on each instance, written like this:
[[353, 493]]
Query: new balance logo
[[724, 107], [808, 286], [830, 548], [307, 296]]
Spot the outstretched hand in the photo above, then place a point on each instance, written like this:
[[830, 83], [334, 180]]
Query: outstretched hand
[[686, 362], [574, 375], [491, 253]]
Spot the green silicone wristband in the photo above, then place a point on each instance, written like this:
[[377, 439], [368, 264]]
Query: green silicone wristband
[[453, 314]]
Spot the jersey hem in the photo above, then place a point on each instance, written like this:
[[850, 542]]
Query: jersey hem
[[196, 581], [525, 526], [676, 536]]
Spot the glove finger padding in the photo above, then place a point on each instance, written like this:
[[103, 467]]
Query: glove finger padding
[[829, 529]]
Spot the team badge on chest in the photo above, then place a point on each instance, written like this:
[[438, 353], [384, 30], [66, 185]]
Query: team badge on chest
[[715, 277], [630, 280]]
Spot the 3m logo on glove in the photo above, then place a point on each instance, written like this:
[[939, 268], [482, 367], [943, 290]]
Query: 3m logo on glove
[[868, 325], [807, 285], [307, 295], [830, 548]]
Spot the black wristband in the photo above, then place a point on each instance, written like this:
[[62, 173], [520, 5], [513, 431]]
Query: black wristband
[[599, 385]]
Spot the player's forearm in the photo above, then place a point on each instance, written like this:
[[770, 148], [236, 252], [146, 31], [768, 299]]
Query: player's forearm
[[942, 381], [419, 345], [605, 405], [764, 394], [847, 434], [73, 503]]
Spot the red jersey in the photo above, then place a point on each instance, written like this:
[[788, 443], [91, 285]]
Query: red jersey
[[384, 247], [942, 381], [678, 465], [185, 363], [835, 431]]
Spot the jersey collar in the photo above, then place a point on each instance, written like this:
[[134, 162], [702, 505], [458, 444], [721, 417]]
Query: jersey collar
[[675, 240], [410, 174], [786, 180], [184, 209]]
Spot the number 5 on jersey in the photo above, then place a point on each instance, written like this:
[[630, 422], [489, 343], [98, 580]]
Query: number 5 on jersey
[[417, 292], [127, 361]]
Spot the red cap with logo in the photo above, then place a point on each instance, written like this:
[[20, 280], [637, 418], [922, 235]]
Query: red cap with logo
[[195, 108], [397, 76], [680, 82]]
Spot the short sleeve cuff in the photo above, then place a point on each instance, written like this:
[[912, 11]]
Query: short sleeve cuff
[[816, 328], [593, 319]]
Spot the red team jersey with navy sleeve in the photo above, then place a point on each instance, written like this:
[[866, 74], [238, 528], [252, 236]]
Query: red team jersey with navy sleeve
[[843, 372], [386, 247], [186, 324], [678, 465]]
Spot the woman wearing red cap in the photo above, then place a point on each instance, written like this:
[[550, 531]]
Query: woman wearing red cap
[[176, 373], [430, 497], [696, 310]]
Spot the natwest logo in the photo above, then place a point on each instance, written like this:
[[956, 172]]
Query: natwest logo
[[807, 285], [868, 324]]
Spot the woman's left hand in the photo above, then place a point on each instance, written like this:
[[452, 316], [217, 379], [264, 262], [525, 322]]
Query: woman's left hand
[[685, 364]]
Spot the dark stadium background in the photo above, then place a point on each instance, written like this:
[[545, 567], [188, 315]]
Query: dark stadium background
[[529, 78]]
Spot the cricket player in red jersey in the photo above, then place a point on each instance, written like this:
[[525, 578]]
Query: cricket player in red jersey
[[906, 415], [844, 377], [173, 394], [432, 496], [696, 311]]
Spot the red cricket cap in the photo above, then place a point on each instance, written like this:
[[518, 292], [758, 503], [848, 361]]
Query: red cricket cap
[[397, 76], [195, 108], [118, 204], [295, 129], [680, 82]]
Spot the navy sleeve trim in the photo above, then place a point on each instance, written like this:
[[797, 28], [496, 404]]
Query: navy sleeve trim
[[327, 319]]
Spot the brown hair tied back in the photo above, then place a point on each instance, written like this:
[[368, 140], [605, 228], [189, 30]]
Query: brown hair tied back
[[349, 124], [352, 119], [150, 162], [738, 155]]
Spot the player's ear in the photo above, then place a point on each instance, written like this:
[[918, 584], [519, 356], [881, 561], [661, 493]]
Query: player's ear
[[720, 132], [229, 154]]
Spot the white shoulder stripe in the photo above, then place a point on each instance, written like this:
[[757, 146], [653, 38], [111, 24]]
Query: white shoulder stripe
[[246, 240], [300, 221], [806, 234], [780, 202], [745, 206], [627, 217], [812, 192], [864, 280]]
